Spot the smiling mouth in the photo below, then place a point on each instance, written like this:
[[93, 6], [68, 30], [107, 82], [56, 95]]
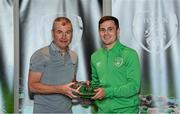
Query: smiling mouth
[[63, 41], [107, 38]]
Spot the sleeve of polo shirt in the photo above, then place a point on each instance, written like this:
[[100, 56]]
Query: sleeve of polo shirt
[[133, 79], [37, 62]]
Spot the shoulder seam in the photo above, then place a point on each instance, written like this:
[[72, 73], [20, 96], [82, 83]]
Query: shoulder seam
[[73, 56]]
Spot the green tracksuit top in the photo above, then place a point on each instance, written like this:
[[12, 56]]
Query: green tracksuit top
[[117, 70]]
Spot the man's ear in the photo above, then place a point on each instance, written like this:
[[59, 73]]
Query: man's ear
[[52, 34], [118, 31]]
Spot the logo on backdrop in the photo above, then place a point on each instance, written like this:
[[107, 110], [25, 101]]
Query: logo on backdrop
[[154, 32]]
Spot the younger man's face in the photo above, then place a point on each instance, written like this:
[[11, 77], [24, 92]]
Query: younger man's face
[[108, 32]]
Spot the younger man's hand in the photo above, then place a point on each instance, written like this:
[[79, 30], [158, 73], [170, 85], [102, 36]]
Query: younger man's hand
[[99, 93]]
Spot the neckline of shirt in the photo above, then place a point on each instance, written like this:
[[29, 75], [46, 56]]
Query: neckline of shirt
[[57, 51]]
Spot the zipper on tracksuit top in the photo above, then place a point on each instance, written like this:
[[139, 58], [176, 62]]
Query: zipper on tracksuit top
[[107, 62]]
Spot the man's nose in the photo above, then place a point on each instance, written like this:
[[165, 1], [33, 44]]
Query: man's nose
[[106, 31], [63, 35]]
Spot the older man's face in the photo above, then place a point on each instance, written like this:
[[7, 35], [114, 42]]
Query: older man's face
[[62, 34]]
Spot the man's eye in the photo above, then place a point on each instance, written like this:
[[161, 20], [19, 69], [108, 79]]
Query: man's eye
[[102, 30], [68, 32], [110, 29], [59, 32]]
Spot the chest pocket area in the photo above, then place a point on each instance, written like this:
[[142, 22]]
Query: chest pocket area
[[100, 67], [120, 70], [71, 66], [119, 65]]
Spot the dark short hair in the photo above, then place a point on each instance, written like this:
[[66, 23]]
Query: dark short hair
[[107, 18], [61, 19]]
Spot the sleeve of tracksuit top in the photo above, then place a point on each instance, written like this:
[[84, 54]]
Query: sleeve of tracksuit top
[[95, 79], [133, 77]]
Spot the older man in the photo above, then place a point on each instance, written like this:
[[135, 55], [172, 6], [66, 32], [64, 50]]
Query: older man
[[52, 69]]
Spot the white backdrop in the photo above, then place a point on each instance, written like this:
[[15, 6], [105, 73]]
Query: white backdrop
[[6, 56], [151, 27]]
